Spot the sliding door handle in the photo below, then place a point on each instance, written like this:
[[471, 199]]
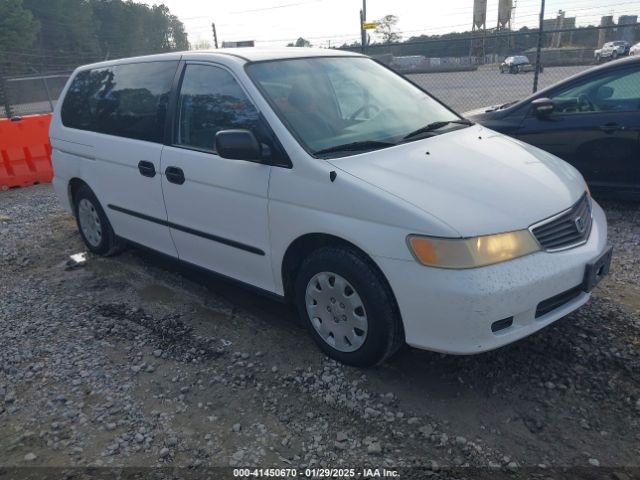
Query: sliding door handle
[[146, 169], [174, 175]]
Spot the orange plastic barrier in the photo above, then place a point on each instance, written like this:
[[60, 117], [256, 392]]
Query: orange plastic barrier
[[25, 151]]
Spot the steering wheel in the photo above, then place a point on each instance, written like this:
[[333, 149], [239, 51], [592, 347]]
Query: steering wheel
[[365, 108], [585, 104]]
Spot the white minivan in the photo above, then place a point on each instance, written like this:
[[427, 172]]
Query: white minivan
[[328, 180]]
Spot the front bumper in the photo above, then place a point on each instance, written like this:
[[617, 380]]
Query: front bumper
[[452, 311]]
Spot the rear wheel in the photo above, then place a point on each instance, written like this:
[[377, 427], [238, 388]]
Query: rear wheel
[[348, 307], [93, 224]]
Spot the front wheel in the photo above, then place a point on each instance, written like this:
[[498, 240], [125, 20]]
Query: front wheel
[[93, 224], [348, 307]]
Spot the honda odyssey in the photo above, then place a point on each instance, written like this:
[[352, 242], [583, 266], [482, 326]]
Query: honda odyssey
[[328, 180]]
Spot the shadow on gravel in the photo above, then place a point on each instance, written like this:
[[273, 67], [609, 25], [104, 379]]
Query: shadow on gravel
[[592, 352], [262, 306]]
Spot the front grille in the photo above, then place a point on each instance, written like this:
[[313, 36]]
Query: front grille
[[557, 301], [567, 229]]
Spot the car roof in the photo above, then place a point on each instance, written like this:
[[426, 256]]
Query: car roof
[[258, 54], [248, 54]]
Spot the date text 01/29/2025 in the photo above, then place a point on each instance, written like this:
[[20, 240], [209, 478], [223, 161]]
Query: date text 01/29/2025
[[343, 473]]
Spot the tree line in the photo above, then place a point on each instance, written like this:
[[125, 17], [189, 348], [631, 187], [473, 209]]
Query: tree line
[[44, 36], [458, 44]]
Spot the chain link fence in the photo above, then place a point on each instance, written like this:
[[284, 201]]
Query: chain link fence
[[468, 71], [461, 89], [465, 71], [486, 86], [30, 94]]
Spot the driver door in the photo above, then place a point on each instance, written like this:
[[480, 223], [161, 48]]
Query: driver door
[[217, 208], [595, 127]]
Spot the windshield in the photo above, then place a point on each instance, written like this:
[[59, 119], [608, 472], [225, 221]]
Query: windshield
[[329, 102]]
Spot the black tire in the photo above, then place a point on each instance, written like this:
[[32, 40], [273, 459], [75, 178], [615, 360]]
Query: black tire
[[385, 334], [109, 243]]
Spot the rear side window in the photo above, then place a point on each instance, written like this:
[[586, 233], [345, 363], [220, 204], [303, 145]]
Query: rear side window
[[123, 100]]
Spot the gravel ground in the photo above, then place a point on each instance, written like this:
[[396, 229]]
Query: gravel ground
[[138, 361]]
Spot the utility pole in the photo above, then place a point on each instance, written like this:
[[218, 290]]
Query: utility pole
[[538, 51], [215, 35], [363, 32]]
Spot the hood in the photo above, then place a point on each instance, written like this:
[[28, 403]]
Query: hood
[[475, 180]]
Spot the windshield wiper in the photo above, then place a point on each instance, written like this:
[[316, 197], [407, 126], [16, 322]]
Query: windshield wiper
[[435, 126], [356, 147], [505, 105]]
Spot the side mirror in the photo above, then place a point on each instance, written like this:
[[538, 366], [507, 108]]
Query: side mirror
[[238, 145], [542, 107]]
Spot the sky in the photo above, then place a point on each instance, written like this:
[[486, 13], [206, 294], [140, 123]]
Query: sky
[[325, 23]]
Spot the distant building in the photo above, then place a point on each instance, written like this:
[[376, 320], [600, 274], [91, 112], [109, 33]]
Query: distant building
[[408, 62], [243, 43], [560, 23], [605, 34], [625, 32]]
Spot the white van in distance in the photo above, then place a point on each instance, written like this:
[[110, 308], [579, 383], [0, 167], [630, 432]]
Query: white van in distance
[[326, 179]]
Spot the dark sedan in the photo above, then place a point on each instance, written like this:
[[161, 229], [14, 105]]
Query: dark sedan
[[517, 64], [591, 120]]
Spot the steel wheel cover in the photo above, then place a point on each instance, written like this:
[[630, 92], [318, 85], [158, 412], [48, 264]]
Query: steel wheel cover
[[90, 222], [336, 311]]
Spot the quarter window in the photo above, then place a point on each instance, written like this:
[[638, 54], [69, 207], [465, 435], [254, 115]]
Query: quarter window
[[211, 100], [123, 100]]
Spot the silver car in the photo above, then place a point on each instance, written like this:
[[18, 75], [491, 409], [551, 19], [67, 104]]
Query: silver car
[[612, 50]]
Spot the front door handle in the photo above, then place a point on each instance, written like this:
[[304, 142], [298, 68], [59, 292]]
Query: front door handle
[[174, 175], [611, 127], [147, 169]]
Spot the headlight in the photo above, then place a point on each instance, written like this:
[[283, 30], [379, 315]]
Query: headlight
[[472, 252]]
